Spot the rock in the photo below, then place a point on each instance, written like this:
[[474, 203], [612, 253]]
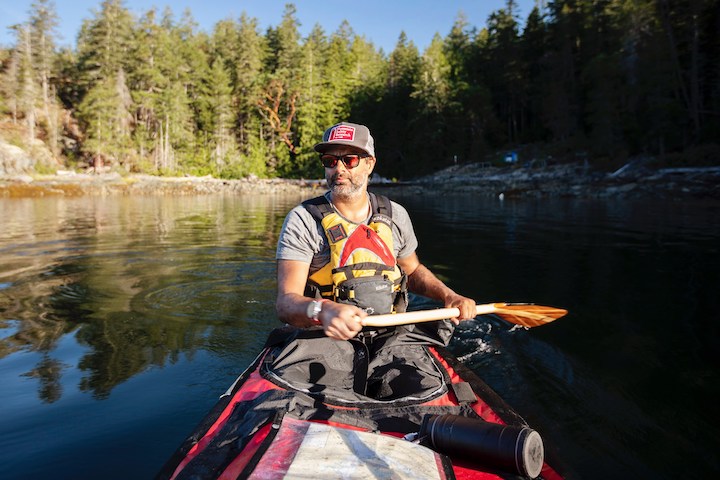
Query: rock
[[14, 160], [23, 178]]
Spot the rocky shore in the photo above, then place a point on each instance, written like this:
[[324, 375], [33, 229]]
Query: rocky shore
[[79, 184], [634, 180], [640, 177], [574, 180]]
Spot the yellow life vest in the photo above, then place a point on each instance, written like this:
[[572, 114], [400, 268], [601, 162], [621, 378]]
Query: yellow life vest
[[362, 270]]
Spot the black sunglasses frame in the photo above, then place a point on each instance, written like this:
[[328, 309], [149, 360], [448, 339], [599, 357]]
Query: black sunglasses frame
[[350, 160]]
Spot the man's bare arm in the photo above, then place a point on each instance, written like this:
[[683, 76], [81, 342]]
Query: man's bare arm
[[423, 282], [339, 321]]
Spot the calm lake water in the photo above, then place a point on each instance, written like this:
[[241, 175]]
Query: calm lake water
[[123, 319]]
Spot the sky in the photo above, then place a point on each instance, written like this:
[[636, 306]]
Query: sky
[[379, 21]]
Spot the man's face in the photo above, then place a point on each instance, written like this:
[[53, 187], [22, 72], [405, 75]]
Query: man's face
[[347, 182]]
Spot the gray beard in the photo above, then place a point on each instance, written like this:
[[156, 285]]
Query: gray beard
[[346, 191]]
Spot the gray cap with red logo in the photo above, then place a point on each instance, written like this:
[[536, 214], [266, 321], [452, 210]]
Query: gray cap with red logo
[[350, 134]]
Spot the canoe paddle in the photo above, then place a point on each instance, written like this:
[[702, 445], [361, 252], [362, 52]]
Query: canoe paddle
[[525, 314]]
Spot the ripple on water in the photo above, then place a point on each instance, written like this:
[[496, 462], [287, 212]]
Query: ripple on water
[[206, 300]]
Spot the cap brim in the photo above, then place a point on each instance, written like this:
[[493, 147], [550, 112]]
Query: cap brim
[[325, 146]]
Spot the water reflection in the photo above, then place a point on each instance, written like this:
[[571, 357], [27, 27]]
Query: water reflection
[[626, 381], [136, 281], [48, 372], [108, 305]]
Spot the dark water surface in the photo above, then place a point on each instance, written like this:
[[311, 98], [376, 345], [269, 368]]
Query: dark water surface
[[123, 319]]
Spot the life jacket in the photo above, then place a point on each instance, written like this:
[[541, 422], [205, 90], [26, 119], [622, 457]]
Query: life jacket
[[362, 270]]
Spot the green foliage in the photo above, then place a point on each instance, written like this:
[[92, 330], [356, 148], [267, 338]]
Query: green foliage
[[255, 162], [103, 42], [106, 116], [152, 94]]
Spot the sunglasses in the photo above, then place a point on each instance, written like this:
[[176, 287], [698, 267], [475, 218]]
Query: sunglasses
[[350, 160]]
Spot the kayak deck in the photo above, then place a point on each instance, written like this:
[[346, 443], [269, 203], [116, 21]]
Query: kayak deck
[[259, 429]]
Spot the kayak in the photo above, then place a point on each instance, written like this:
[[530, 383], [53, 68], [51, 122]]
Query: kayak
[[266, 428]]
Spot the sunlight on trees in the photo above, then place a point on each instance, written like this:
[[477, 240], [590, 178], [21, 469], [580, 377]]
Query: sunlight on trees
[[614, 78]]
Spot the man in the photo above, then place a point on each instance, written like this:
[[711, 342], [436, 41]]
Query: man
[[341, 257], [348, 154]]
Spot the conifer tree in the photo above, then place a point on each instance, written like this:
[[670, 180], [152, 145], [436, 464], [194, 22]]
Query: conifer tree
[[150, 50], [340, 75], [560, 102], [314, 101], [7, 78], [43, 21], [219, 119], [105, 109], [432, 87], [10, 76], [432, 95], [27, 88], [468, 108], [251, 56], [280, 91], [371, 69], [533, 45], [397, 110], [602, 81], [193, 67], [103, 42], [458, 51], [504, 74]]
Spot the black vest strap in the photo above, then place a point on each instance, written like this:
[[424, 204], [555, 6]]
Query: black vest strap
[[380, 204], [319, 207]]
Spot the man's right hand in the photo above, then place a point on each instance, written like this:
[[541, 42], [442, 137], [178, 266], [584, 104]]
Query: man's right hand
[[341, 321]]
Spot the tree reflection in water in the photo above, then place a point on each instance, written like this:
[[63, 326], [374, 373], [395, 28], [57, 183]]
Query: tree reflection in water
[[136, 282]]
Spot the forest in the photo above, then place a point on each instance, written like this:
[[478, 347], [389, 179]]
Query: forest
[[601, 81]]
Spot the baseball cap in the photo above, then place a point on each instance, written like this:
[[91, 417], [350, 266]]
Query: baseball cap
[[350, 134]]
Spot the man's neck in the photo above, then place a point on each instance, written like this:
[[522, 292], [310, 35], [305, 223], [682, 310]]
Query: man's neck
[[355, 208]]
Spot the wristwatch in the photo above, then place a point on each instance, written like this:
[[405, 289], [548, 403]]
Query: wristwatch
[[313, 310]]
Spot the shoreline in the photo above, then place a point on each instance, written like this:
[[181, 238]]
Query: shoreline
[[82, 184], [504, 182]]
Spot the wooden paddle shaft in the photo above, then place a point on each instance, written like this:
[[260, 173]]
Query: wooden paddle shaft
[[392, 320]]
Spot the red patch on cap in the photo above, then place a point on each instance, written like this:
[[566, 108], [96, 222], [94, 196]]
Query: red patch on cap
[[342, 132]]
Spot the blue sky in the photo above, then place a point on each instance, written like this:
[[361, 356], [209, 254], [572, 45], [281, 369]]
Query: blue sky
[[379, 21]]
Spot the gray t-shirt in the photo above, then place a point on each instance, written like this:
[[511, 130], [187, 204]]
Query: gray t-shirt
[[303, 239]]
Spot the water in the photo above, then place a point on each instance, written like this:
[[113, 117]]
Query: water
[[123, 319]]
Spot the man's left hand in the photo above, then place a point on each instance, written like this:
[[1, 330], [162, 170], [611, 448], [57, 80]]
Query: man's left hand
[[464, 304]]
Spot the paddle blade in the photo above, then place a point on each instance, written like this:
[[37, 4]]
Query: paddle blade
[[527, 314]]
